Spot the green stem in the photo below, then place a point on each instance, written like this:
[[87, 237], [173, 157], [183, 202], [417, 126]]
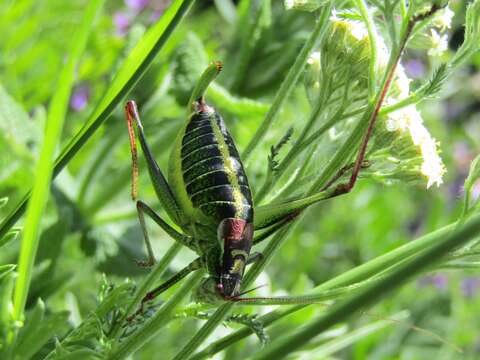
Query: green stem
[[290, 80], [129, 74], [372, 35], [44, 168], [355, 275], [150, 329], [373, 293]]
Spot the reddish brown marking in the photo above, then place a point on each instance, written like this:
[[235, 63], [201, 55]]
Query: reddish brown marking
[[234, 229], [131, 114]]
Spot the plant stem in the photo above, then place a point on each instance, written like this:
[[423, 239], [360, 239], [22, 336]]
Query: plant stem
[[355, 275], [290, 80], [372, 35], [44, 168], [373, 293]]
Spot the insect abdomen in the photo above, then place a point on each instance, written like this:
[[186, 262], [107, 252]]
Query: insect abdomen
[[213, 174]]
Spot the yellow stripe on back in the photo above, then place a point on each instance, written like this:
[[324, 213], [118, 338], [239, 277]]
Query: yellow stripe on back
[[228, 164]]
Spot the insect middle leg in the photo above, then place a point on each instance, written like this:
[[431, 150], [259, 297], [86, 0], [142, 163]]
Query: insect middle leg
[[193, 266], [142, 209]]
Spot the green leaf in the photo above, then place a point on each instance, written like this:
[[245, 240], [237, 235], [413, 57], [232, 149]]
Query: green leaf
[[39, 329], [44, 168], [6, 291], [127, 76], [9, 236], [15, 124]]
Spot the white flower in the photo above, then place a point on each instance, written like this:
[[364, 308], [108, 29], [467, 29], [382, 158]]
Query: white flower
[[402, 82], [443, 20], [408, 121], [382, 53], [307, 5], [314, 58], [438, 43]]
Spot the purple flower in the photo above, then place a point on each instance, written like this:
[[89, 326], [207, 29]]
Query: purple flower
[[415, 68], [79, 98], [137, 5], [440, 281], [158, 12], [470, 285], [122, 22]]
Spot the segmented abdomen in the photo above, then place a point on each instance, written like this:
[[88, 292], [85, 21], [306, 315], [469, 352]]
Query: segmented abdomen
[[212, 171]]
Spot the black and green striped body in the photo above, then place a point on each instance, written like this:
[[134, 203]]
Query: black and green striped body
[[211, 188], [206, 172]]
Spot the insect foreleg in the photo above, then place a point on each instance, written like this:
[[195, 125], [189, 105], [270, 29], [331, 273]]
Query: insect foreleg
[[142, 209], [177, 236], [193, 266], [151, 258], [159, 182], [254, 257]]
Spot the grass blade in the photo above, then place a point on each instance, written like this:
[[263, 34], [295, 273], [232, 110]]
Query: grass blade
[[355, 275], [285, 345], [44, 167], [130, 72]]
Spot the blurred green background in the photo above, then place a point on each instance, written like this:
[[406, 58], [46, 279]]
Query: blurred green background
[[90, 226]]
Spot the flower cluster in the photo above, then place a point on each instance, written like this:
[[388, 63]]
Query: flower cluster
[[434, 38], [410, 148], [403, 148]]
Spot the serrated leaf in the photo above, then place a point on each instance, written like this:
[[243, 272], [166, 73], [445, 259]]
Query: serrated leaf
[[15, 124], [39, 329], [436, 82], [473, 176], [5, 269], [9, 236], [6, 290]]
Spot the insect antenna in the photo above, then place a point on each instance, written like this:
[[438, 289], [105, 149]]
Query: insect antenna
[[237, 297]]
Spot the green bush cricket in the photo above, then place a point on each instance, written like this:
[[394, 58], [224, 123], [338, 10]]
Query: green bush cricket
[[208, 196]]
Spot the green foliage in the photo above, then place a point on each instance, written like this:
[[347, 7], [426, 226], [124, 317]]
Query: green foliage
[[298, 89]]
